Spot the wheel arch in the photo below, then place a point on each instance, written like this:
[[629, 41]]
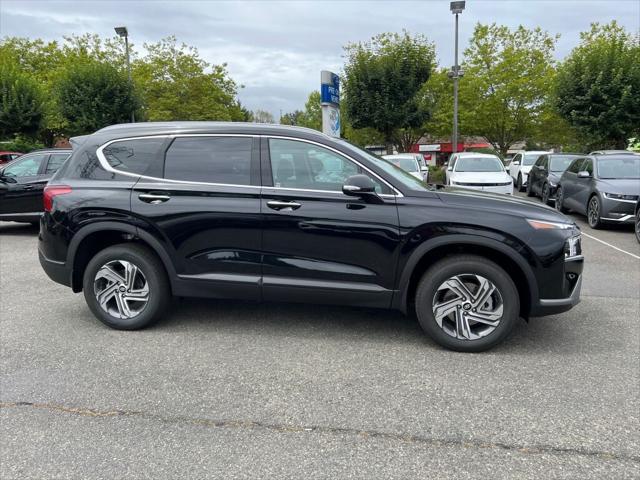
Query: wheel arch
[[93, 238], [432, 251]]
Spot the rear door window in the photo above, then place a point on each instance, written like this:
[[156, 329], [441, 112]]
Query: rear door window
[[142, 156], [55, 162], [223, 160]]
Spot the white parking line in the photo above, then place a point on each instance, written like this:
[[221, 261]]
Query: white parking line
[[612, 246]]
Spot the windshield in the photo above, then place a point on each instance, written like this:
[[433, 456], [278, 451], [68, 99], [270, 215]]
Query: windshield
[[479, 164], [407, 164], [560, 163], [627, 166], [404, 178], [530, 158]]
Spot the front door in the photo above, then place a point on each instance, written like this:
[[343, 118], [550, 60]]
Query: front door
[[24, 182], [206, 212], [320, 245]]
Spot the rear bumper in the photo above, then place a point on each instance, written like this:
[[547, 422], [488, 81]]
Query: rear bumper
[[56, 271], [572, 287]]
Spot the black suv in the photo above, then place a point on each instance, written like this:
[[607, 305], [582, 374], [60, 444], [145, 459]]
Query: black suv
[[263, 212]]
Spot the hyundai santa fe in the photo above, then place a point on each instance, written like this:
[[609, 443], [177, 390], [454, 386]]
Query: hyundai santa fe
[[144, 212]]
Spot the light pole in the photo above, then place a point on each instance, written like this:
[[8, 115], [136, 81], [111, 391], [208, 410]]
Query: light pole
[[124, 33], [455, 74]]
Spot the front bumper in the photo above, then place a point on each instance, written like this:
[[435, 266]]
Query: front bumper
[[505, 189], [618, 211], [572, 286]]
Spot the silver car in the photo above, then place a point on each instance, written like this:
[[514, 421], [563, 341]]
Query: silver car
[[605, 188]]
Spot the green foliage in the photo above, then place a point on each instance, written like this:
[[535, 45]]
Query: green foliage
[[437, 175], [21, 144], [179, 85], [598, 86], [292, 118], [94, 95], [382, 80], [312, 115], [262, 116], [21, 109]]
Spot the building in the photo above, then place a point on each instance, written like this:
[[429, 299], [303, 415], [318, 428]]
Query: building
[[436, 152]]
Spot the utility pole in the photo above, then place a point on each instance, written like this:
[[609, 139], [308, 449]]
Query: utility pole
[[124, 33], [455, 74]]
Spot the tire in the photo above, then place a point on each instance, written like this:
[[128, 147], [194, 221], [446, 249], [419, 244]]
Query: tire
[[466, 268], [638, 226], [594, 212], [529, 189], [560, 200], [112, 280], [546, 192], [519, 183]]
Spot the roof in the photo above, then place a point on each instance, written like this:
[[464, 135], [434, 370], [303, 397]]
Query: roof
[[475, 155], [613, 152], [150, 128]]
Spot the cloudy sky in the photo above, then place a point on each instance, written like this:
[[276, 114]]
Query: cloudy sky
[[277, 49]]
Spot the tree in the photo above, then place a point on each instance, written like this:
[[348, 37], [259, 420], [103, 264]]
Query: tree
[[178, 85], [21, 108], [292, 118], [382, 80], [598, 86], [508, 79], [312, 115], [262, 116], [94, 95]]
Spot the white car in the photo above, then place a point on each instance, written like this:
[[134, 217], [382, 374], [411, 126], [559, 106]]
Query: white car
[[520, 167], [410, 162], [479, 171]]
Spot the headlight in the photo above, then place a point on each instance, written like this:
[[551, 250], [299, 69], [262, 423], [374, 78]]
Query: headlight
[[544, 225], [573, 247], [553, 184], [616, 196]]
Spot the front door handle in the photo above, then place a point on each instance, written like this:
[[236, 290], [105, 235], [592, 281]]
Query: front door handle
[[153, 198], [278, 205], [28, 187]]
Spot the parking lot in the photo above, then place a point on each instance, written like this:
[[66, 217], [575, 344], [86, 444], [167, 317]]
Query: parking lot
[[238, 390]]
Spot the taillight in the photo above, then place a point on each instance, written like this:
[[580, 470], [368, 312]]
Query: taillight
[[51, 191]]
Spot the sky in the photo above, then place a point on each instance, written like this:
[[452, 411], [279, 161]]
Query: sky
[[276, 49]]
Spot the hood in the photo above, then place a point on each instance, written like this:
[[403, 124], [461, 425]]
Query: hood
[[480, 177], [621, 186], [499, 203]]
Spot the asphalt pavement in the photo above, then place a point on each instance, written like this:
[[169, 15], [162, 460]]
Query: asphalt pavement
[[238, 390]]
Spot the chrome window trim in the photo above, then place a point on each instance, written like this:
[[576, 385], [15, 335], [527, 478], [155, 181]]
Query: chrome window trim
[[282, 137], [105, 164]]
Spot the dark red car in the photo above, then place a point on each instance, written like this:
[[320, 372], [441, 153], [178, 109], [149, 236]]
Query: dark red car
[[6, 157]]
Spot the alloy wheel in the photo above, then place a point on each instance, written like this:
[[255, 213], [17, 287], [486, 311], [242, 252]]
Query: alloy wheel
[[121, 289], [467, 306], [593, 213]]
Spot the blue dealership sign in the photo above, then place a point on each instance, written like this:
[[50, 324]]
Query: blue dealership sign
[[329, 88]]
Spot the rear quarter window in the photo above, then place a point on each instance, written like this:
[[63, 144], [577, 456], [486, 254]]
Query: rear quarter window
[[140, 156]]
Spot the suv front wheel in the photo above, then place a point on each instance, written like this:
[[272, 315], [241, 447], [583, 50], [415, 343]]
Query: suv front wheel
[[126, 287], [467, 303]]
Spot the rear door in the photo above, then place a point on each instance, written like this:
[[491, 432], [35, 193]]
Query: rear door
[[320, 245], [24, 180], [205, 209]]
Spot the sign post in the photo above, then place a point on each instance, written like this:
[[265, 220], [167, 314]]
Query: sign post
[[330, 102]]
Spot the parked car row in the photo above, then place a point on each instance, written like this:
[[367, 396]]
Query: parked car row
[[6, 157], [604, 185], [22, 182], [412, 163]]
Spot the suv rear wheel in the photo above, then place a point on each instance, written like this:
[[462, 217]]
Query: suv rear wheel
[[467, 303], [126, 287]]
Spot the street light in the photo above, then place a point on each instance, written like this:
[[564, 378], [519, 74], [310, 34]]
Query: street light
[[455, 74], [124, 33]]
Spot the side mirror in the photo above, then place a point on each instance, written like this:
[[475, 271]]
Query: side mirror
[[515, 163], [424, 168], [361, 186], [584, 174], [446, 164], [449, 169], [6, 179]]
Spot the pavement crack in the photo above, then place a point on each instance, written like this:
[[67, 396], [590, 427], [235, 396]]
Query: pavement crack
[[362, 433]]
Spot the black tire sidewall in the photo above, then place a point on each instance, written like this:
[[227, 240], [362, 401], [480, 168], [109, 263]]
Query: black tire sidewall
[[449, 267], [598, 223], [154, 273], [545, 187]]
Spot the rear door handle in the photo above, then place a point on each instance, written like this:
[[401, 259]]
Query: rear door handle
[[28, 187], [278, 205], [153, 198]]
